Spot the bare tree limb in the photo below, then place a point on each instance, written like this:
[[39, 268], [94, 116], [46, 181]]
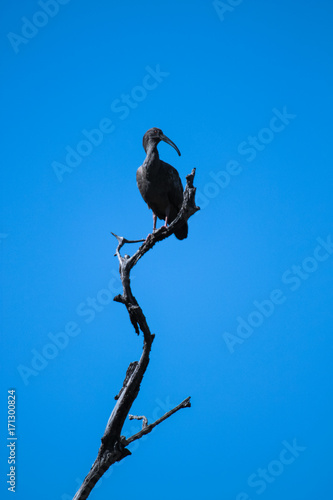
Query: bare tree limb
[[113, 445]]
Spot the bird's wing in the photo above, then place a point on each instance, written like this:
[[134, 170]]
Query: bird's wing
[[174, 186], [142, 182]]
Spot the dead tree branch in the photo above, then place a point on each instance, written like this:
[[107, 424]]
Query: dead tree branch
[[148, 428], [113, 446]]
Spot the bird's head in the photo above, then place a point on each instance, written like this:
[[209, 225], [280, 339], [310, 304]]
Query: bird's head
[[155, 135]]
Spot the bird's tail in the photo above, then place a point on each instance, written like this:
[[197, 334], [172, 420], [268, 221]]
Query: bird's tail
[[182, 231]]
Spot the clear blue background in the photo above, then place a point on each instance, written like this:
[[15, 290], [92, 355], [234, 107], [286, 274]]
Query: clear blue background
[[225, 76]]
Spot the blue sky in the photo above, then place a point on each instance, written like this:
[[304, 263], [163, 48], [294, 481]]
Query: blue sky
[[242, 309]]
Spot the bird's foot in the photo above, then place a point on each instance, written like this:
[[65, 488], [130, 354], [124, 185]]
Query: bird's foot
[[150, 235]]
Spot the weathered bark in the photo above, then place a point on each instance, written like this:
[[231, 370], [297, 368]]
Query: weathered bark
[[113, 446]]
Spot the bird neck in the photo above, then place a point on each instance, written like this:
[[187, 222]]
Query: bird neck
[[152, 159]]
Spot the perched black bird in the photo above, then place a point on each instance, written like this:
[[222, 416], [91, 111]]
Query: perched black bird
[[159, 183]]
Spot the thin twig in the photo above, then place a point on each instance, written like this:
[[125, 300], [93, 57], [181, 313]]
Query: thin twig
[[122, 241], [184, 404], [125, 240], [139, 417]]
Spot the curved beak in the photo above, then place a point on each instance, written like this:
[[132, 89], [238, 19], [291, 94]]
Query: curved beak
[[169, 141]]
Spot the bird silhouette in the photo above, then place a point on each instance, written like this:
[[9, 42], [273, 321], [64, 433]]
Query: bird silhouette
[[159, 183]]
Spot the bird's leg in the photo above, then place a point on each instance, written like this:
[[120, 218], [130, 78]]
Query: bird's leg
[[167, 213], [154, 221]]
